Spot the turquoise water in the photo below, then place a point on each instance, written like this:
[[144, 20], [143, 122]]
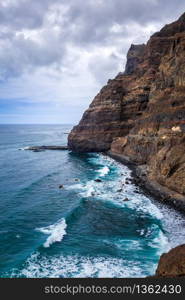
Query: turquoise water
[[85, 229]]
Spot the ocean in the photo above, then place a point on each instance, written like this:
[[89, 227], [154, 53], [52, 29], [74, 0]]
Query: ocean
[[89, 228]]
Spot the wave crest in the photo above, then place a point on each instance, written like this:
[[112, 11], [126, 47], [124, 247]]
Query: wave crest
[[56, 232]]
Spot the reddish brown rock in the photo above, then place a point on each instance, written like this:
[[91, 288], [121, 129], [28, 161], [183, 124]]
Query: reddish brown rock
[[172, 264], [141, 113]]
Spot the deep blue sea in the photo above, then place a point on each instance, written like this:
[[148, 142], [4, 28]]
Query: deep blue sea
[[85, 229]]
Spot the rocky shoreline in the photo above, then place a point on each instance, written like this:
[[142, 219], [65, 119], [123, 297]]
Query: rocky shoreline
[[172, 263], [157, 191], [138, 118]]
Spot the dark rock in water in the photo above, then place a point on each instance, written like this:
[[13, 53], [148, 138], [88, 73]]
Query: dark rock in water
[[98, 180], [77, 179], [42, 148], [172, 264], [132, 180], [37, 150], [61, 186], [128, 180], [126, 199], [119, 191]]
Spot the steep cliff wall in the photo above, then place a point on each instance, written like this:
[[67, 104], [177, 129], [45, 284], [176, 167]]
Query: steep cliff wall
[[141, 113]]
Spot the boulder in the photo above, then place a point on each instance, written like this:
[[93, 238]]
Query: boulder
[[98, 180], [172, 264], [61, 186]]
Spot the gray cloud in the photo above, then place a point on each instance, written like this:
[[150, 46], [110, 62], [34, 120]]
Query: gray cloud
[[93, 19], [19, 14], [19, 54], [104, 67], [45, 33], [56, 54]]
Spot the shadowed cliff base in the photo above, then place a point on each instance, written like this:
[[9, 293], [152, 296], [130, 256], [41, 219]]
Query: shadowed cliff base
[[141, 114]]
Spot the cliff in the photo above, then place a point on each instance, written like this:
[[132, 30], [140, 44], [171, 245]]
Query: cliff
[[172, 264], [140, 115]]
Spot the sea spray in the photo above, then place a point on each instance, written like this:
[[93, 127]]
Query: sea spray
[[104, 171], [56, 232]]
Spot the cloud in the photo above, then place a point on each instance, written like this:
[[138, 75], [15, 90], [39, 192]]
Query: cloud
[[104, 67], [19, 14], [37, 33], [48, 48], [20, 53]]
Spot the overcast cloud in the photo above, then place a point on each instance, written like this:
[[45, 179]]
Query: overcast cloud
[[56, 54]]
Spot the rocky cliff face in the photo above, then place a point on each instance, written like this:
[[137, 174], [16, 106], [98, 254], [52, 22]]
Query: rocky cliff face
[[172, 264], [141, 113]]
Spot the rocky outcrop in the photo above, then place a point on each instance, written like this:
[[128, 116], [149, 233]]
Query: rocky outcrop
[[141, 113], [172, 264], [42, 148]]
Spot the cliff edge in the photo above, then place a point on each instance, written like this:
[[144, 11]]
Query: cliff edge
[[140, 115]]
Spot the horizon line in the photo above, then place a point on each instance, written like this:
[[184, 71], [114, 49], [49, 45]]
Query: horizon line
[[37, 123]]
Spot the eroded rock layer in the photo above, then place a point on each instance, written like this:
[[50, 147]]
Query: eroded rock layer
[[141, 113]]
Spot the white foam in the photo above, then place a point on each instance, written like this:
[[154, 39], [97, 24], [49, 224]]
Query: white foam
[[160, 242], [76, 266], [24, 148], [87, 190], [143, 204], [110, 191], [174, 224], [104, 171], [77, 186], [128, 244], [90, 191], [56, 232]]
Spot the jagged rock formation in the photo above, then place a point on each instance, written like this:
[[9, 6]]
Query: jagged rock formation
[[172, 264], [141, 113]]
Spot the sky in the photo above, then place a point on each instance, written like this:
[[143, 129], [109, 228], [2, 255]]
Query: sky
[[55, 55]]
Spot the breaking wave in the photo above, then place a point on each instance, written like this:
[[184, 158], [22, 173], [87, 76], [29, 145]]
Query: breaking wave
[[56, 232], [104, 171]]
